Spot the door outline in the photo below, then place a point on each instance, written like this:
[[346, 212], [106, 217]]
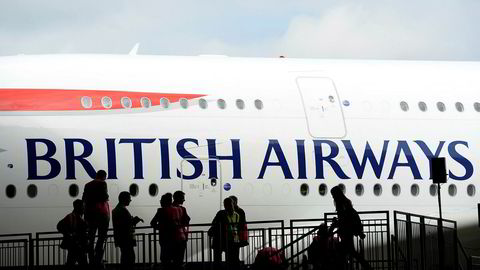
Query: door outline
[[305, 108], [220, 178]]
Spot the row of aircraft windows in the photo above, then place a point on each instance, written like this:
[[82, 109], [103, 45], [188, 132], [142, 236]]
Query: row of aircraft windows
[[126, 102], [73, 190], [441, 107], [396, 190]]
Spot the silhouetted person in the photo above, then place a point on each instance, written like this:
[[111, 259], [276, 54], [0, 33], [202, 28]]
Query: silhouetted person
[[269, 258], [348, 225], [74, 230], [224, 232], [179, 252], [321, 252], [242, 224], [97, 215], [167, 221], [124, 230]]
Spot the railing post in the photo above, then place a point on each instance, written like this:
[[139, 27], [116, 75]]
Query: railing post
[[408, 232], [30, 252], [441, 245], [422, 243], [291, 241]]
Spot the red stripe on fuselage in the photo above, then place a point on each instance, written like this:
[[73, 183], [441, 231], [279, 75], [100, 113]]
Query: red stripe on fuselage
[[13, 99]]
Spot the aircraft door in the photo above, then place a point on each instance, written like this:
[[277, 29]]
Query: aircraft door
[[203, 196], [322, 106]]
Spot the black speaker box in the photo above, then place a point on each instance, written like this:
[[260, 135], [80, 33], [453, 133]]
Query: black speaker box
[[439, 170]]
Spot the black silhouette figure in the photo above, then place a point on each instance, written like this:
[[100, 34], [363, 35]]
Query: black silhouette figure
[[74, 230], [179, 251], [97, 215]]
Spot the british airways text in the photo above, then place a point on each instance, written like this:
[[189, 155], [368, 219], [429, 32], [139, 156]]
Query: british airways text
[[79, 154]]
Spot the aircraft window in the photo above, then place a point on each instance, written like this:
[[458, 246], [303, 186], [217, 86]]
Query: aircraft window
[[11, 191], [396, 190], [258, 104], [221, 104], [359, 189], [153, 190], [202, 103], [73, 190], [145, 101], [342, 187], [471, 190], [476, 106], [422, 106], [322, 189], [107, 102], [184, 103], [133, 190], [165, 103], [240, 104], [433, 190], [459, 106], [414, 190], [126, 102], [32, 191], [304, 189], [452, 190], [346, 103], [377, 189], [404, 106], [441, 106], [86, 102]]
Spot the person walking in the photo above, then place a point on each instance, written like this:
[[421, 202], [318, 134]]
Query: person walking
[[74, 230], [179, 251], [348, 225], [242, 224], [224, 233], [124, 230], [97, 215]]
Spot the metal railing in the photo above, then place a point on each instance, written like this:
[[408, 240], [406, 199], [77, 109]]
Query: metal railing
[[16, 250]]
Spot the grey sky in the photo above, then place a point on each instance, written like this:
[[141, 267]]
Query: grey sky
[[382, 29]]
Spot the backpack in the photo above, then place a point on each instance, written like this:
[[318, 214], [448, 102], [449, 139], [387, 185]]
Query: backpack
[[357, 226]]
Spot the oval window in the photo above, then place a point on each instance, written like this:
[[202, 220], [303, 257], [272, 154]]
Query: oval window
[[240, 104], [422, 106], [32, 191], [433, 190], [202, 103], [86, 102], [165, 103], [145, 101], [133, 190], [221, 104], [441, 106], [322, 189], [377, 189], [476, 106], [404, 106], [184, 103], [346, 103], [471, 190], [126, 102], [396, 190], [107, 102], [73, 190], [415, 190], [359, 189], [11, 191], [304, 189], [153, 190], [459, 106], [258, 104], [452, 190]]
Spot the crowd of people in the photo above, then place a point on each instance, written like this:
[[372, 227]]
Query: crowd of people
[[331, 248]]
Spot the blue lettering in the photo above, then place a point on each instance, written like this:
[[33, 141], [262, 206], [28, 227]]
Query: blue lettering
[[282, 162], [367, 156], [70, 157], [403, 147], [165, 159], [461, 160], [33, 158], [235, 158], [302, 165], [111, 159], [428, 153], [137, 154], [319, 159], [197, 164]]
